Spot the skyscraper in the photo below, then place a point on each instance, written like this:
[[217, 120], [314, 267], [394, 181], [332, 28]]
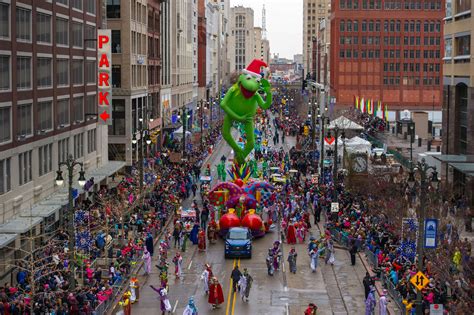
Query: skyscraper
[[241, 39]]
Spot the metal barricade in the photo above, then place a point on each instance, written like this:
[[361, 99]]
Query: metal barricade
[[393, 292], [371, 258]]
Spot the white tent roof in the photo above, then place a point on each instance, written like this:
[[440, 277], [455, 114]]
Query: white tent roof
[[358, 145], [179, 131], [345, 124]]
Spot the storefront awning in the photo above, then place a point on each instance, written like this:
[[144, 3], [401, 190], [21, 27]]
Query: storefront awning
[[6, 239], [466, 168], [454, 158], [41, 210], [20, 225]]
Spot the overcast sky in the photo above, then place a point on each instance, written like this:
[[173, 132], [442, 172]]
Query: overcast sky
[[284, 23]]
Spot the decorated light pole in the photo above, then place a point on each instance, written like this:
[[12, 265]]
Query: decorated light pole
[[421, 169], [143, 134], [70, 163], [323, 120]]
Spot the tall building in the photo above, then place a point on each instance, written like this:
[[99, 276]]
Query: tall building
[[458, 97], [212, 48], [389, 53], [165, 88], [261, 46], [154, 72], [48, 107], [183, 56], [314, 11], [323, 57], [223, 39], [241, 39], [202, 48], [128, 21]]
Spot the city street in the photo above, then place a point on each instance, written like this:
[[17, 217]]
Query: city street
[[334, 289]]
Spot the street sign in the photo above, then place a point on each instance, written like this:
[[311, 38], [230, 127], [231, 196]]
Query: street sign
[[419, 280], [436, 309], [431, 230], [334, 206]]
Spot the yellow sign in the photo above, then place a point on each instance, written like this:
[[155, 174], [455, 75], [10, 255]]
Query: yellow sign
[[419, 280]]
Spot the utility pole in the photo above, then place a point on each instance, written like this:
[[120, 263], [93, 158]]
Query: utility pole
[[185, 120]]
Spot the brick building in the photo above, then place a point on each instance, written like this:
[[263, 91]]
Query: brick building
[[387, 51]]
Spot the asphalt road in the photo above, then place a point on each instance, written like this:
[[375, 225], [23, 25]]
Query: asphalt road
[[335, 289]]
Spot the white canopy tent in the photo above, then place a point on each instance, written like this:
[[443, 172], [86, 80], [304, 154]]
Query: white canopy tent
[[179, 132], [358, 145], [344, 123]]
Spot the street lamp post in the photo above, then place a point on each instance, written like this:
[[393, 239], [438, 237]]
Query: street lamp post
[[411, 128], [421, 168], [323, 120], [201, 108], [184, 116], [70, 163], [144, 134]]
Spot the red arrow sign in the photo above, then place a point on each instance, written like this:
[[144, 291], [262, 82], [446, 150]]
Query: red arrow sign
[[104, 116], [329, 140]]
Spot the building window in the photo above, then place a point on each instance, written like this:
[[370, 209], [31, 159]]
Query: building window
[[4, 20], [77, 4], [24, 166], [45, 115], [65, 2], [44, 72], [23, 72], [463, 5], [5, 124], [116, 48], [62, 72], [91, 141], [116, 76], [77, 72], [90, 36], [463, 45], [5, 178], [91, 72], [91, 104], [23, 24], [118, 118], [342, 26], [25, 120], [63, 112], [45, 159], [113, 9], [462, 106], [448, 48], [90, 6], [78, 109], [79, 145], [43, 28], [62, 32], [63, 150], [77, 35], [5, 73]]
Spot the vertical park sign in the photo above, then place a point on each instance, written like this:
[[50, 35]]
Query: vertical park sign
[[104, 57]]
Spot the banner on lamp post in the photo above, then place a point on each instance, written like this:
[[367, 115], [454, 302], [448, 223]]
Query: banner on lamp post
[[431, 231]]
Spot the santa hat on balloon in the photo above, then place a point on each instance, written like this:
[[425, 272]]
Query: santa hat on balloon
[[254, 68]]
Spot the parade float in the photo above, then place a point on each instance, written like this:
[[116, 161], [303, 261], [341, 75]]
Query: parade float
[[241, 200]]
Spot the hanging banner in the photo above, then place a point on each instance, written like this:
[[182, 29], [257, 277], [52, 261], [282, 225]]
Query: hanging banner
[[104, 79], [431, 230]]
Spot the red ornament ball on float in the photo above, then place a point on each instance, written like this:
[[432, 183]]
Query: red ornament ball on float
[[252, 221], [228, 221]]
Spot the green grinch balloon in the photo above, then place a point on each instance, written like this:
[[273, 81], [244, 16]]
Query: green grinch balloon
[[240, 104]]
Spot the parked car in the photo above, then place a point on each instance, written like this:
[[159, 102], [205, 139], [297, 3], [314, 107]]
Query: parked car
[[238, 243]]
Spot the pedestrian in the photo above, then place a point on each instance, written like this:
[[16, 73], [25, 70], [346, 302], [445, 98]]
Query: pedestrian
[[245, 284], [330, 252], [201, 240], [178, 261], [383, 301], [194, 189], [206, 277], [184, 240], [235, 276], [147, 261], [292, 260], [311, 310], [314, 255], [370, 302], [353, 252], [149, 244], [176, 234], [367, 282], [191, 308], [165, 304], [216, 296], [283, 137]]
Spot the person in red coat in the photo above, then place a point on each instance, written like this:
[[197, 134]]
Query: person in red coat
[[216, 296], [291, 234], [201, 240]]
